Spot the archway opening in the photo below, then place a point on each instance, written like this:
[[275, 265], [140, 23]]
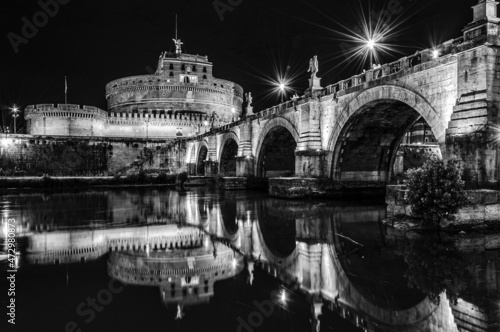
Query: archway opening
[[367, 148], [277, 155], [202, 156], [228, 158]]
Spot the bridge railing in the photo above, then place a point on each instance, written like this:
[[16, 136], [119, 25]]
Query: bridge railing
[[448, 47]]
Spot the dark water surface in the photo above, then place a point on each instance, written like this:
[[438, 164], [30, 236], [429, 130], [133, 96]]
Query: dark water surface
[[203, 260]]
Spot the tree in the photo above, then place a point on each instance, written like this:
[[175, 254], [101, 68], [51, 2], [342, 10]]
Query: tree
[[435, 191]]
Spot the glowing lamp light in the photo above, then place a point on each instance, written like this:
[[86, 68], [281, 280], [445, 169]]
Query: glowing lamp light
[[371, 44], [5, 142], [234, 263], [283, 296], [435, 54], [282, 86]]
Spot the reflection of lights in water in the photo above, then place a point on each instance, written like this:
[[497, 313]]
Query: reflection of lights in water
[[5, 229], [147, 249], [283, 296]]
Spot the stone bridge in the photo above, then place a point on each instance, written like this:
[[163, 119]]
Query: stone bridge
[[350, 131]]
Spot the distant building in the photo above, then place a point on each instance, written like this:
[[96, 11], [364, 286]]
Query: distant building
[[419, 133]]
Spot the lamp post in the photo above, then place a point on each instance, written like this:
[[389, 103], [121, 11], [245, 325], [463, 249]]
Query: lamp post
[[371, 47], [15, 114], [282, 89]]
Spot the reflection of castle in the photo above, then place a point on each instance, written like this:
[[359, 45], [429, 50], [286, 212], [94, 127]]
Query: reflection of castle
[[185, 276], [180, 99]]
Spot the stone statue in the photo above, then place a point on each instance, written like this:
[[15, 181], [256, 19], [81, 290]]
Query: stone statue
[[178, 43], [249, 99], [313, 66], [295, 97], [212, 120]]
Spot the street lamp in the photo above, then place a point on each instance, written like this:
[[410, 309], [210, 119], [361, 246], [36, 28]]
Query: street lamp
[[15, 110], [371, 44], [282, 89]]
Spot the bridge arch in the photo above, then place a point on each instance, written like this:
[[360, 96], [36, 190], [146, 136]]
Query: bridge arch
[[370, 128], [276, 125], [227, 153], [201, 155]]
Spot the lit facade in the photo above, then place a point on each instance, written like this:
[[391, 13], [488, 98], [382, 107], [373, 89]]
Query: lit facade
[[181, 99]]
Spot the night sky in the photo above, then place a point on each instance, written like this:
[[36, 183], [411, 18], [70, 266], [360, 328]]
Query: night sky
[[93, 42]]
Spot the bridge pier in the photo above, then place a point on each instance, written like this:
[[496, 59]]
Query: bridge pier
[[211, 167], [245, 166], [310, 163]]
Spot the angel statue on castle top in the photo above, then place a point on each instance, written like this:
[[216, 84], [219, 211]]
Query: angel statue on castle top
[[178, 44]]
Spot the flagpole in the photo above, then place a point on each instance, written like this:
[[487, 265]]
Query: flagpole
[[65, 91]]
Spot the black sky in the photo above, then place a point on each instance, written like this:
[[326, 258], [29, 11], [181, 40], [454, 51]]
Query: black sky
[[94, 42]]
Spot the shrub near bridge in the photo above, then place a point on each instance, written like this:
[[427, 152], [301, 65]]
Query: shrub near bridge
[[435, 191]]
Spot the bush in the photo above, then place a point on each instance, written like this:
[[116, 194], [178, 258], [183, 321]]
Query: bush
[[435, 267], [436, 190]]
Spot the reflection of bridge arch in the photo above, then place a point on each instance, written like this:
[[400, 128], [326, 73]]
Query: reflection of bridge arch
[[341, 290], [370, 128], [288, 263], [227, 154], [281, 127], [201, 156]]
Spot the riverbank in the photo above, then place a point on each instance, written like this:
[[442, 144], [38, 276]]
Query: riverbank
[[48, 182], [480, 235]]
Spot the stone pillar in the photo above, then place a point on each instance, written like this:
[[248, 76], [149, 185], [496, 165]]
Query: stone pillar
[[471, 137], [245, 161], [309, 157], [211, 164], [191, 165]]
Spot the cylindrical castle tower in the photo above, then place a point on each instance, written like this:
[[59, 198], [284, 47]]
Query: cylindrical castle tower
[[178, 100]]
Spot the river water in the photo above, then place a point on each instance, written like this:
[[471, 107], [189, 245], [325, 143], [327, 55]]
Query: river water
[[203, 260]]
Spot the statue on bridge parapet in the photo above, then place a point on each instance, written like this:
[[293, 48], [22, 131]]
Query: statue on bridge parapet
[[313, 66], [248, 97], [314, 81]]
